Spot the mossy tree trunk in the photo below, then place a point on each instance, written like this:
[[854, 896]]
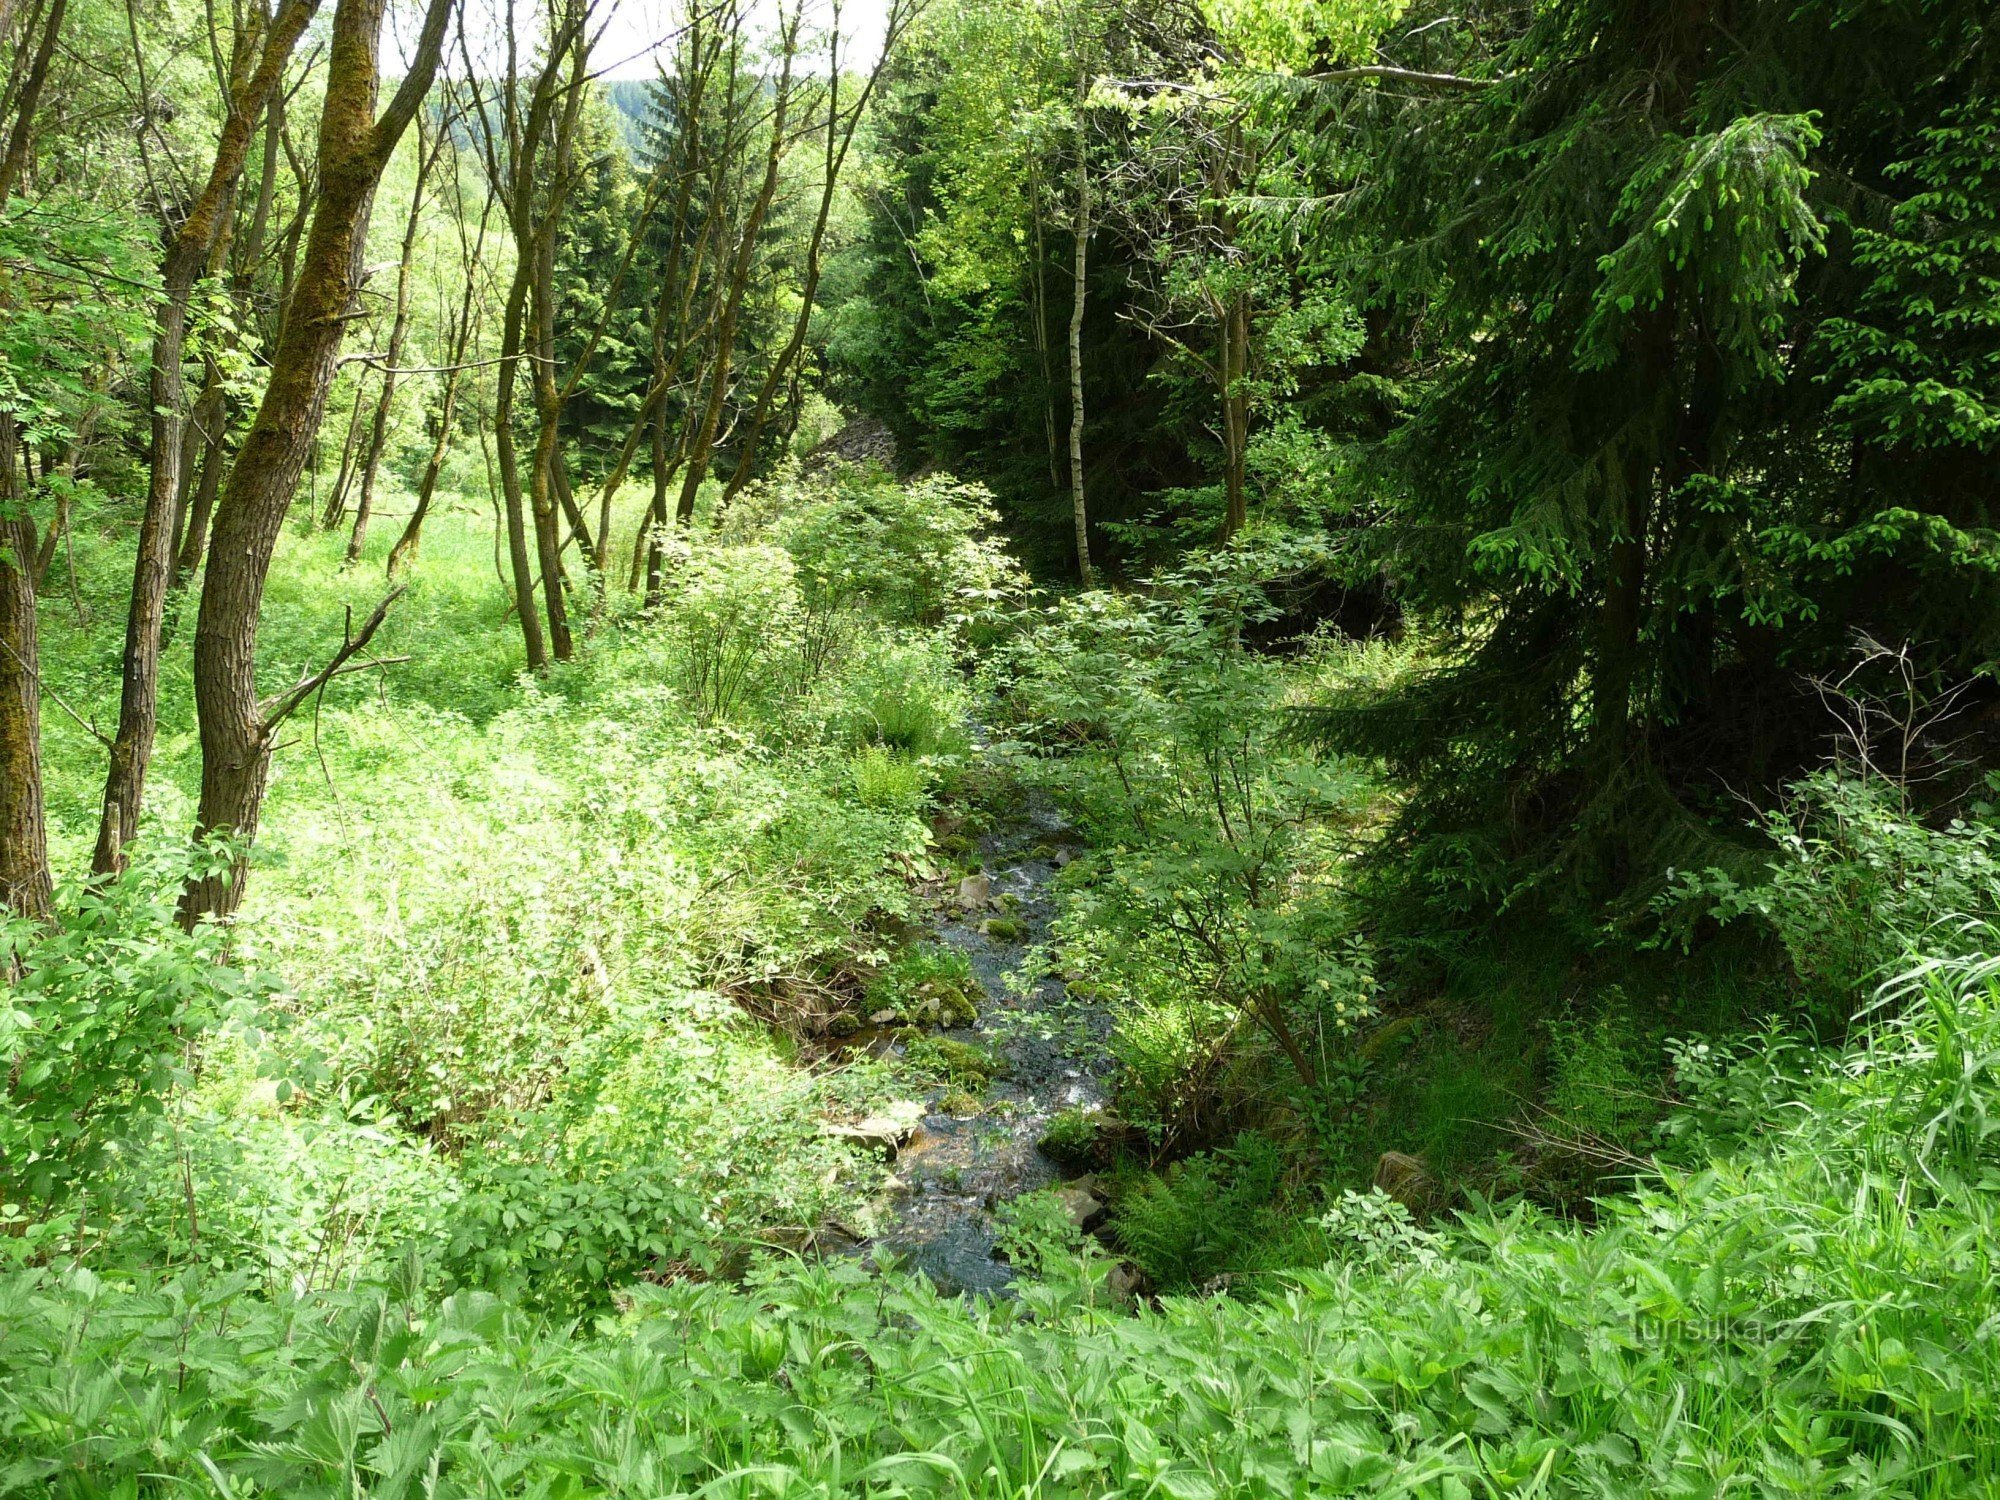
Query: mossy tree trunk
[[237, 730]]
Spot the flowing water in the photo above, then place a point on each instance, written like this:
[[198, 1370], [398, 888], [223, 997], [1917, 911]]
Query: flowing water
[[956, 1170]]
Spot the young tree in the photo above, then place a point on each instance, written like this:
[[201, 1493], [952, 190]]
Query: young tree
[[25, 886], [1080, 230], [431, 144], [779, 141], [459, 339], [841, 123], [237, 729], [262, 48]]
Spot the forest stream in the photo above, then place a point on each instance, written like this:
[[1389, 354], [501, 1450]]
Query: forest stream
[[956, 1169]]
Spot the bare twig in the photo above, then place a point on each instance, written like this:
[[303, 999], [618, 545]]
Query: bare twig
[[277, 710], [1445, 82]]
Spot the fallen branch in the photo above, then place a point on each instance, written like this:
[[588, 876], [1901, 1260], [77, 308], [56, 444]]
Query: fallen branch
[[1450, 82], [286, 703]]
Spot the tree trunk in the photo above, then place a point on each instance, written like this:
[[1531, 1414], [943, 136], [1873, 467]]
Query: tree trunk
[[68, 468], [399, 327], [541, 476], [350, 446], [1040, 286], [1080, 270], [354, 147], [21, 139], [153, 569], [1235, 368], [25, 887], [839, 139], [510, 474], [211, 413], [647, 544], [700, 449]]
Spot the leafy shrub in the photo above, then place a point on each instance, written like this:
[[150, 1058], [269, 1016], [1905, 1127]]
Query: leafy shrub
[[305, 1194], [907, 552], [961, 1065], [1374, 1228], [1216, 846], [1224, 1212], [1071, 1136], [736, 619], [96, 1029], [905, 697], [929, 983], [1037, 1234], [1600, 1088], [1174, 1071], [1859, 882]]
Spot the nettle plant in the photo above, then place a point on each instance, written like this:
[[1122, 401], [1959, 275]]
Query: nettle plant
[[1217, 846]]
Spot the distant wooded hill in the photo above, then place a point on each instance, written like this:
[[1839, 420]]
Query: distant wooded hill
[[628, 97]]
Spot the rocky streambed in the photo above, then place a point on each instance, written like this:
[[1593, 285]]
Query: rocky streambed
[[959, 1163]]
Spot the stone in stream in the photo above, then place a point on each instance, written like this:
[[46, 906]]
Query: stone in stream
[[1125, 1281], [1085, 1208], [975, 892], [885, 1131]]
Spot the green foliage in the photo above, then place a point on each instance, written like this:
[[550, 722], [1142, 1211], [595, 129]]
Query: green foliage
[[917, 553], [926, 983], [1858, 883], [1915, 365], [101, 1022], [1376, 1230], [1738, 1316], [300, 1193], [1038, 1235], [884, 780], [904, 698], [735, 614], [1221, 1213], [1071, 1135], [1674, 451], [1600, 1087], [1212, 885]]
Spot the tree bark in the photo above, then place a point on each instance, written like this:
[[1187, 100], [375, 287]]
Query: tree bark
[[25, 886], [343, 478], [399, 328], [354, 147], [1080, 270], [211, 413], [510, 475], [1235, 371], [548, 410], [21, 139], [187, 255]]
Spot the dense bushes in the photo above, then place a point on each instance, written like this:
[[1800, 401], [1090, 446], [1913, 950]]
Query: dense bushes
[[96, 1024], [1209, 902], [1804, 1315], [535, 967]]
